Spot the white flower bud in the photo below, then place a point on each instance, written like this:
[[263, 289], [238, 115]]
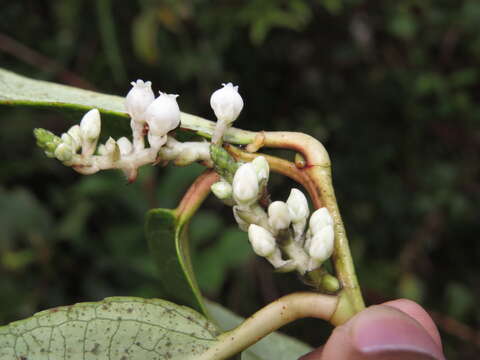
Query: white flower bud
[[90, 126], [298, 206], [322, 243], [279, 215], [64, 152], [125, 146], [138, 99], [242, 224], [102, 150], [163, 114], [76, 135], [156, 141], [319, 219], [245, 185], [262, 169], [263, 242], [226, 103], [222, 190], [67, 139]]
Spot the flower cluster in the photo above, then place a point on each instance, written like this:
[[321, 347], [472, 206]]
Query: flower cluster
[[151, 117], [278, 234]]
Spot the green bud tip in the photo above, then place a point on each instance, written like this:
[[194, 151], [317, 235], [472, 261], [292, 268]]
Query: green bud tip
[[225, 165], [46, 140], [330, 283]]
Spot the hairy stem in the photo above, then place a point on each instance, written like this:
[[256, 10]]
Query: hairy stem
[[268, 319]]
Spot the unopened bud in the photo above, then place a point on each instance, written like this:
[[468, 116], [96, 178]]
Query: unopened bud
[[156, 141], [245, 185], [138, 99], [262, 169], [67, 139], [163, 114], [90, 125], [47, 141], [279, 216], [322, 243], [125, 146], [112, 150], [298, 206], [226, 103], [263, 242], [242, 224], [64, 152], [222, 190], [76, 135], [319, 219]]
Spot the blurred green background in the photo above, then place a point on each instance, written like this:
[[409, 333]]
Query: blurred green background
[[392, 88]]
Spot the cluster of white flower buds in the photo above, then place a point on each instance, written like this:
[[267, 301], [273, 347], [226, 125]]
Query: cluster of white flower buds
[[278, 234], [150, 116]]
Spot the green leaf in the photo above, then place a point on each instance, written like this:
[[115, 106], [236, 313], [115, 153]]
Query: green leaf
[[168, 242], [274, 346], [17, 90], [115, 328]]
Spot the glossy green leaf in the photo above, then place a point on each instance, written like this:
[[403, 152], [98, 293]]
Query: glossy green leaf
[[115, 328], [274, 346], [168, 242]]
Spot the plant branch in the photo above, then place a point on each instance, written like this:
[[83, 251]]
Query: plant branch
[[318, 169], [268, 319], [196, 193]]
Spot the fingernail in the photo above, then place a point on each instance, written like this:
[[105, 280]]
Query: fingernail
[[382, 330]]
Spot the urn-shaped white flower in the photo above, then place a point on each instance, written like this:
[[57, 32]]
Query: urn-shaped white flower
[[298, 206], [138, 99], [245, 185], [226, 103], [90, 125], [263, 242], [279, 216], [163, 114]]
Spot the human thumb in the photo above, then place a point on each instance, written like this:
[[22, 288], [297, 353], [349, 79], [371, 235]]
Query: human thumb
[[398, 330]]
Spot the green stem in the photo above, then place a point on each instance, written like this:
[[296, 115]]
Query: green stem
[[318, 168], [268, 319]]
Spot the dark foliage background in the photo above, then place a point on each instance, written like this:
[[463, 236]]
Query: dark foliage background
[[390, 87]]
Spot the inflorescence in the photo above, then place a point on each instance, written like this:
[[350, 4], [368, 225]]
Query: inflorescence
[[277, 231]]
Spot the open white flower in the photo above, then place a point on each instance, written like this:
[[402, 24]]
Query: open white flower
[[138, 99], [163, 114], [226, 103]]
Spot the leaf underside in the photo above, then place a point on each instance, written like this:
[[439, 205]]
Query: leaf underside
[[120, 328]]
